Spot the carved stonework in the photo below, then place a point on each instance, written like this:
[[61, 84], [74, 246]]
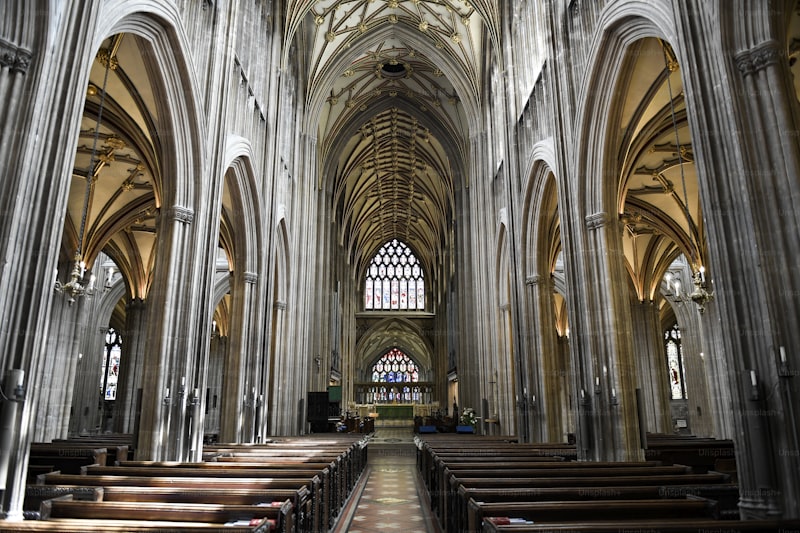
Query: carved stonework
[[280, 305], [16, 59], [180, 214], [21, 62], [250, 277], [744, 63], [597, 220], [766, 54], [759, 57], [534, 280]]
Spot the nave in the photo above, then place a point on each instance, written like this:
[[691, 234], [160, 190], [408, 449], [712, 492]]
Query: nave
[[392, 479], [576, 220], [390, 497]]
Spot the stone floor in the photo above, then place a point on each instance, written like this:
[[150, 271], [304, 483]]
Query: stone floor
[[388, 495]]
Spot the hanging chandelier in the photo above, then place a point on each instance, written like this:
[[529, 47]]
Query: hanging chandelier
[[77, 285], [700, 294]]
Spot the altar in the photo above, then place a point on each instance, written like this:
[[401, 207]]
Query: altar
[[396, 411]]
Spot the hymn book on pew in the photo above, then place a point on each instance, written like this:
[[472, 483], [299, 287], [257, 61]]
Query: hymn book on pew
[[507, 520]]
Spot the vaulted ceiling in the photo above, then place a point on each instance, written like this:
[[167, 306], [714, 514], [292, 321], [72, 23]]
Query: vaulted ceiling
[[392, 85]]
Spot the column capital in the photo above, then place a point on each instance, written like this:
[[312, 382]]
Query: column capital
[[180, 214], [759, 57], [597, 220], [279, 305], [15, 58], [250, 277], [766, 54], [538, 279]]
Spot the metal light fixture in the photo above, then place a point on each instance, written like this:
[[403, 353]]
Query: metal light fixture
[[77, 286], [700, 294]]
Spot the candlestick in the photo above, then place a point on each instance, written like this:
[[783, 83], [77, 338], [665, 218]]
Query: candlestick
[[753, 377], [783, 354]]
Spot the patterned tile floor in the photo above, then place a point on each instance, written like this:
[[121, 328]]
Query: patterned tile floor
[[389, 500]]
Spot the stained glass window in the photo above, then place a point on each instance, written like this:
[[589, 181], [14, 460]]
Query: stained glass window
[[677, 377], [394, 280], [395, 367], [110, 373]]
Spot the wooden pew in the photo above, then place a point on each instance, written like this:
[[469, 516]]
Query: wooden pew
[[299, 498], [673, 525], [326, 499], [189, 484], [702, 454], [584, 511], [726, 496], [67, 458], [564, 471], [348, 455], [279, 516], [81, 525]]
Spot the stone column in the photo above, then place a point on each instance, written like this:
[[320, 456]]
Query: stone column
[[216, 375], [651, 366], [237, 425], [277, 407], [608, 340], [772, 393], [747, 171], [170, 344], [545, 400], [129, 389]]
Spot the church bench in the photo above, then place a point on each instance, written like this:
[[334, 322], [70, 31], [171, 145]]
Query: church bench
[[299, 498], [280, 514], [426, 451], [428, 455], [34, 470], [584, 511], [726, 496], [674, 525], [573, 471], [36, 494], [117, 449], [333, 492], [449, 500], [345, 468], [350, 456], [65, 458], [441, 466], [701, 454], [327, 497], [79, 525], [219, 484]]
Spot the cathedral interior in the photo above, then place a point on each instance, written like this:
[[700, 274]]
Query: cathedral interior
[[577, 219]]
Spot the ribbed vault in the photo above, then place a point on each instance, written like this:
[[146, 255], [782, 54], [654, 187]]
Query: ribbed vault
[[391, 87]]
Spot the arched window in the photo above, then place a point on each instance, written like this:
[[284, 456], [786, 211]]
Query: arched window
[[677, 377], [108, 378], [395, 367], [394, 280]]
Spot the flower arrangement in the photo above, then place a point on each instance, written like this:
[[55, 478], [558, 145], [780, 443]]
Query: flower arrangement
[[468, 417]]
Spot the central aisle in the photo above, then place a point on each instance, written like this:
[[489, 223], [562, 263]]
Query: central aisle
[[389, 500]]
